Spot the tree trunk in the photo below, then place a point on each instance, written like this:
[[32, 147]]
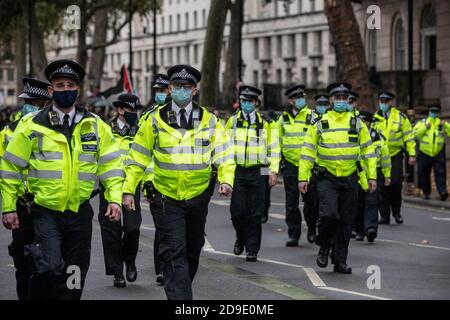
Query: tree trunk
[[20, 56], [212, 52], [37, 40], [233, 56], [97, 60], [350, 53], [82, 54]]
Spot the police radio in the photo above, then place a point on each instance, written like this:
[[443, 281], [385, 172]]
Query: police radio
[[172, 118], [54, 119]]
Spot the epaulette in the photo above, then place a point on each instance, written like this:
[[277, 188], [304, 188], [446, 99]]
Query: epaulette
[[374, 135], [403, 115], [314, 121], [13, 125]]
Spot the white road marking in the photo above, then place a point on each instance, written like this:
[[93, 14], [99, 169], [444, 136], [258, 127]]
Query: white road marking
[[314, 277], [419, 245], [226, 203], [148, 227], [277, 216], [354, 293], [208, 247], [441, 219]]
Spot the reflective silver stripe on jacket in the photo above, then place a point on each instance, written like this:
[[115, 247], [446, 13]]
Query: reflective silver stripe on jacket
[[180, 167], [47, 155], [45, 174], [15, 160], [112, 174], [341, 157], [85, 176]]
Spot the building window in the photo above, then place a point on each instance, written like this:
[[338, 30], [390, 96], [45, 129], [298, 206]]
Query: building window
[[331, 74], [10, 74], [256, 49], [372, 48], [279, 76], [195, 19], [11, 92], [204, 17], [291, 46], [279, 46], [300, 6], [304, 44], [399, 45], [428, 35], [305, 76], [1, 74], [178, 22], [163, 25], [187, 20], [195, 53], [268, 48], [312, 5], [318, 42], [315, 76], [256, 78], [170, 24]]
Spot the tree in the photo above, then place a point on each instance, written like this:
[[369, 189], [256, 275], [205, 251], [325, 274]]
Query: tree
[[349, 48], [233, 55], [212, 52]]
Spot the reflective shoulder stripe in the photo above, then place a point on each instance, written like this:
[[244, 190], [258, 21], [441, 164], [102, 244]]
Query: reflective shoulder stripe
[[15, 160], [112, 174]]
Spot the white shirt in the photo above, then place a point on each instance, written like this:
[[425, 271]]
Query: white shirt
[[252, 116], [177, 109], [62, 114], [121, 124], [295, 112]]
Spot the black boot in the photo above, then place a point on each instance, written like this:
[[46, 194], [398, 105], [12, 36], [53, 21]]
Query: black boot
[[160, 280], [398, 218], [342, 268], [292, 242], [252, 257], [312, 236], [384, 221], [444, 196], [131, 272], [238, 248], [359, 237], [322, 257], [119, 281], [371, 234]]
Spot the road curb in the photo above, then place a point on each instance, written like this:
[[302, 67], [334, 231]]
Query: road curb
[[443, 205]]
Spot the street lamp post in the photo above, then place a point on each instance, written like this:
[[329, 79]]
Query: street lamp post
[[130, 40], [30, 56], [155, 67]]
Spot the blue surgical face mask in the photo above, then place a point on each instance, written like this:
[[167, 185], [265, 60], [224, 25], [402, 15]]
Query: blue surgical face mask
[[300, 103], [340, 105], [65, 99], [181, 96], [247, 106], [160, 98], [351, 107], [321, 109], [433, 115], [28, 108], [384, 107]]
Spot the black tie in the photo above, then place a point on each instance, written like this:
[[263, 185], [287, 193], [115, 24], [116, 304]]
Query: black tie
[[249, 121], [183, 121], [66, 125]]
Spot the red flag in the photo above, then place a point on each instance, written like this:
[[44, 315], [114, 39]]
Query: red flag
[[124, 85], [127, 85]]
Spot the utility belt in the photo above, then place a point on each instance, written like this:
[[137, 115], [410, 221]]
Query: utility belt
[[323, 172], [255, 167], [41, 209]]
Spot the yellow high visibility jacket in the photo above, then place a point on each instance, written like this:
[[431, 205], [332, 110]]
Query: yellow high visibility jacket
[[382, 152], [6, 135], [256, 144], [397, 130], [182, 162], [432, 140], [61, 175], [336, 142], [292, 131], [124, 140]]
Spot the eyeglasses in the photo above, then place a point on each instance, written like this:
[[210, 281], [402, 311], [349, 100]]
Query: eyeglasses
[[184, 86]]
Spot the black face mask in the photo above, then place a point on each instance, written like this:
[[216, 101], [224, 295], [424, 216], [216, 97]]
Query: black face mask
[[130, 117]]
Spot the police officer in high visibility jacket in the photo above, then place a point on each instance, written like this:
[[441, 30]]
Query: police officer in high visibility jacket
[[293, 125], [257, 154], [396, 128], [65, 150], [353, 102], [161, 94], [430, 133], [366, 223], [336, 143], [321, 106], [36, 96], [183, 139], [121, 239]]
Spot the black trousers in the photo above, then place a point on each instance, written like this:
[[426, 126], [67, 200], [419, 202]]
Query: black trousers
[[248, 206], [182, 236], [337, 211], [267, 197], [121, 238], [392, 195], [20, 238], [293, 213], [437, 163], [156, 241], [61, 253], [367, 215]]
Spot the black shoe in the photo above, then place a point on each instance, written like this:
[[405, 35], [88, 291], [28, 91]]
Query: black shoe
[[359, 237], [353, 236], [292, 242], [119, 281], [444, 196], [384, 221], [238, 248], [312, 236], [322, 257], [252, 257], [398, 219], [160, 280], [342, 268], [426, 197], [131, 272], [265, 218], [371, 234]]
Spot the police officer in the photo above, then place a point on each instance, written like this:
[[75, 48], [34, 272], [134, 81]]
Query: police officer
[[36, 96], [396, 128], [183, 139], [161, 94], [121, 239], [257, 154], [353, 102], [322, 105], [366, 223], [65, 149], [430, 133], [336, 142], [293, 124]]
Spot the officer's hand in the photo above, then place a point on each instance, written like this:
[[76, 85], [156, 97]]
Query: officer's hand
[[10, 221], [303, 187], [128, 202], [372, 185], [225, 190], [428, 125], [273, 179], [412, 161], [387, 182], [113, 212]]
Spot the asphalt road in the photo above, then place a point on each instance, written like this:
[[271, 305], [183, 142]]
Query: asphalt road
[[413, 261]]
